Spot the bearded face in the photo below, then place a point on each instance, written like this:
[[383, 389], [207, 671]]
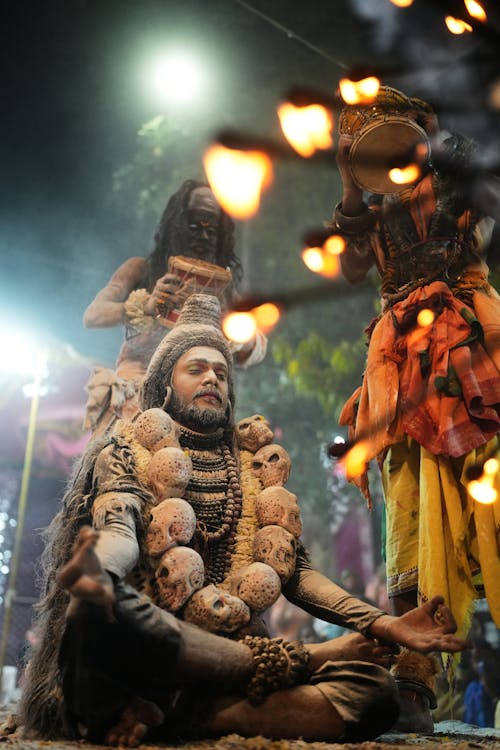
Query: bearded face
[[196, 417], [200, 389]]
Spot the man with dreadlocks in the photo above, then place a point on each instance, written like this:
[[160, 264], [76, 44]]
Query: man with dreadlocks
[[174, 536], [145, 297], [429, 405]]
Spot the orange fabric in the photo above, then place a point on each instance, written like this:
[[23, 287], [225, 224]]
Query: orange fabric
[[401, 392], [423, 205]]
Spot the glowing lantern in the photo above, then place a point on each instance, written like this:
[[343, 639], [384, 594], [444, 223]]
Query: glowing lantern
[[402, 3], [482, 491], [494, 95], [475, 10], [406, 176], [354, 462], [335, 244], [239, 327], [319, 261], [313, 258], [425, 318], [359, 92], [456, 25], [491, 467], [266, 316], [306, 128], [237, 178]]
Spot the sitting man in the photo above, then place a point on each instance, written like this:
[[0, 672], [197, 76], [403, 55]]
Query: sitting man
[[175, 535]]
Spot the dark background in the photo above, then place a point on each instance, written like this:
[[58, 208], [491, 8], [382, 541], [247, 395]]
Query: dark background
[[74, 96]]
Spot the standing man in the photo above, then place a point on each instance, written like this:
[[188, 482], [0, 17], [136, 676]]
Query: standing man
[[144, 296], [429, 405], [162, 560]]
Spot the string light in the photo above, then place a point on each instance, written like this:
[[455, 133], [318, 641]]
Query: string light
[[266, 316], [405, 176], [475, 10], [363, 91], [456, 25], [239, 327], [494, 95], [482, 491], [237, 178], [313, 258], [307, 128], [335, 244], [318, 260], [482, 479], [425, 318], [354, 462]]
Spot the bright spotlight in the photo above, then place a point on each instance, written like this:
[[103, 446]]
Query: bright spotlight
[[22, 357], [177, 76]]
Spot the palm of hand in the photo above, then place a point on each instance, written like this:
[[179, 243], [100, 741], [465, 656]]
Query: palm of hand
[[433, 615]]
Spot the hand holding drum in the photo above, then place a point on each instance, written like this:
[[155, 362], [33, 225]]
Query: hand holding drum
[[383, 135]]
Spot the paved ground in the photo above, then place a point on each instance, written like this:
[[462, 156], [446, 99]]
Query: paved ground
[[451, 735]]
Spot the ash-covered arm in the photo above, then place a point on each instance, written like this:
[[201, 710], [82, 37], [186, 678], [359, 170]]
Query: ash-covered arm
[[316, 594]]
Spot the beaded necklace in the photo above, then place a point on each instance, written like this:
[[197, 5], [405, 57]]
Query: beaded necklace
[[215, 494]]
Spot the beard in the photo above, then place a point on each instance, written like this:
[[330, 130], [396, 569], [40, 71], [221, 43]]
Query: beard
[[196, 418]]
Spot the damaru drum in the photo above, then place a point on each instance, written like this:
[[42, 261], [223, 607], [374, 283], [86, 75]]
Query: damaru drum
[[196, 276], [385, 136]]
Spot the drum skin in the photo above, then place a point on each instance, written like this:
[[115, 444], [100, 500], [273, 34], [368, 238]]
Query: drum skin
[[383, 144]]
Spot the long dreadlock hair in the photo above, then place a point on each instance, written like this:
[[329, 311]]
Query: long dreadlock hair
[[170, 233], [41, 708]]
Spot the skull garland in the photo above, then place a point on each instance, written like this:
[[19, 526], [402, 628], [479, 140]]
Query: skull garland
[[169, 472], [155, 429], [271, 465], [179, 574], [257, 584], [278, 548], [215, 610], [173, 522], [266, 558], [253, 433], [278, 506]]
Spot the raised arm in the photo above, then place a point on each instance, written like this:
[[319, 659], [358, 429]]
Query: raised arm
[[108, 307], [353, 219]]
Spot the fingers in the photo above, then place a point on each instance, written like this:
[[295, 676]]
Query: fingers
[[441, 614], [445, 643]]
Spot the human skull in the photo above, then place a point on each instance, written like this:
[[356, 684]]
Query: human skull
[[179, 574], [271, 464], [278, 506], [276, 547], [169, 472], [216, 610], [173, 521], [253, 433], [155, 429], [257, 584]]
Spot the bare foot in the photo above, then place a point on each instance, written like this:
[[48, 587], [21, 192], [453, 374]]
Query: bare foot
[[134, 723], [83, 575]]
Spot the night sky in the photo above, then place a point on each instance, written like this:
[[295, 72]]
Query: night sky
[[74, 95]]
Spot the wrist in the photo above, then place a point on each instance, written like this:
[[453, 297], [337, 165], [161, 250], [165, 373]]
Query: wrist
[[347, 223], [278, 664], [381, 628]]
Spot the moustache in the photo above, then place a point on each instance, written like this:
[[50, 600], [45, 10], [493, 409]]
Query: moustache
[[209, 392]]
